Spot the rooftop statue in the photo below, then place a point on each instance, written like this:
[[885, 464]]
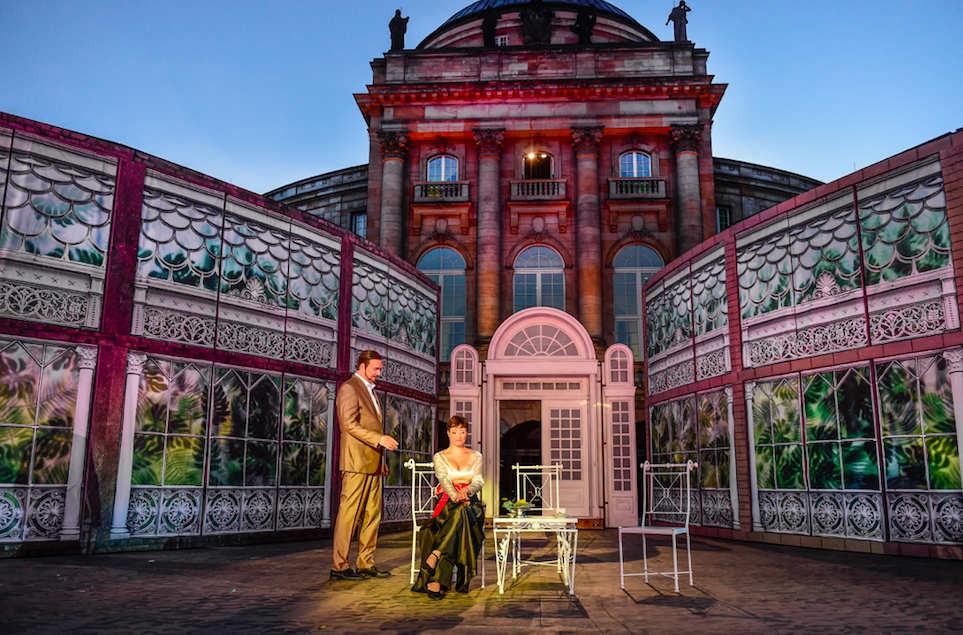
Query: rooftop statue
[[536, 23], [679, 20], [584, 23], [397, 27]]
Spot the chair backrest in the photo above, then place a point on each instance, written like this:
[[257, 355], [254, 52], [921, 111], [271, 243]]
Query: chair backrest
[[667, 492], [423, 488], [538, 484]]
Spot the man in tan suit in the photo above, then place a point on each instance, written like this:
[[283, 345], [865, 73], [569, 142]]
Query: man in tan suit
[[362, 468]]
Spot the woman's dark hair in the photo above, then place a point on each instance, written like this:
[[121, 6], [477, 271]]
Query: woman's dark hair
[[458, 421]]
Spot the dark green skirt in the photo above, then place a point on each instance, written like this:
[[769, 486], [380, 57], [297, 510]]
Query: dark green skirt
[[458, 532]]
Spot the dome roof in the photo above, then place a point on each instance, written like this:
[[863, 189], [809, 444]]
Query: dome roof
[[477, 10]]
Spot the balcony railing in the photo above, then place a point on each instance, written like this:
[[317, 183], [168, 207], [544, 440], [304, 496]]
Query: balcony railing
[[538, 190], [637, 188], [441, 192]]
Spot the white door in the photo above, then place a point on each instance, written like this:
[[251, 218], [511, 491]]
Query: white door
[[564, 442]]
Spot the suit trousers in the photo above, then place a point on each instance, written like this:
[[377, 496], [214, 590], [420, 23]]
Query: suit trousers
[[360, 508]]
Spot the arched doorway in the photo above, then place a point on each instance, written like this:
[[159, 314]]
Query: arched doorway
[[542, 368], [543, 397]]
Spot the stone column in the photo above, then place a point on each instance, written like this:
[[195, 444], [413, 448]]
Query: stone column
[[955, 358], [86, 362], [688, 220], [394, 149], [125, 464], [589, 234], [489, 255]]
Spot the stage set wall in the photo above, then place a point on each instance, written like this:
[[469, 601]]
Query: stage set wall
[[810, 359], [170, 348]]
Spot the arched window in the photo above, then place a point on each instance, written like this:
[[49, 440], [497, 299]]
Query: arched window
[[635, 164], [539, 279], [633, 265], [537, 165], [443, 167], [447, 268]]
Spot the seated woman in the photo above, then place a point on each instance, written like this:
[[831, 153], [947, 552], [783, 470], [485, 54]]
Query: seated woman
[[454, 538]]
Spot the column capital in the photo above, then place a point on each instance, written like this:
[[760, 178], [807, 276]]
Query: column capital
[[86, 357], [586, 139], [489, 140], [954, 357], [135, 363], [686, 137], [394, 144]]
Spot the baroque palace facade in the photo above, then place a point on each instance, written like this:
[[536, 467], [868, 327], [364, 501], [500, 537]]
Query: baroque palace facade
[[541, 172], [807, 358]]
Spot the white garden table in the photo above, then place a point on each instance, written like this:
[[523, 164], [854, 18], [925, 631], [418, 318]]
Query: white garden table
[[509, 532]]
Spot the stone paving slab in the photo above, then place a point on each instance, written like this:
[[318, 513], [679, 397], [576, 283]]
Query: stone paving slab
[[284, 588]]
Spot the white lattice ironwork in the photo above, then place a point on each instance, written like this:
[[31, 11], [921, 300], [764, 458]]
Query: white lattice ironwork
[[847, 515], [156, 511], [818, 340], [177, 326], [909, 321], [31, 513], [712, 364], [925, 516], [396, 505], [784, 512], [31, 302], [671, 377]]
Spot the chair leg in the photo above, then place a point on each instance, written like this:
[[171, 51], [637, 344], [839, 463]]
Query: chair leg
[[483, 563], [621, 567], [645, 560], [675, 563], [688, 551], [414, 540]]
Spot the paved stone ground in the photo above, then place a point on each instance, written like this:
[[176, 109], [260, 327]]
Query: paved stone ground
[[284, 588]]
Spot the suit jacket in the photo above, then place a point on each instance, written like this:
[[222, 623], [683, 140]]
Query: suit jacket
[[361, 428]]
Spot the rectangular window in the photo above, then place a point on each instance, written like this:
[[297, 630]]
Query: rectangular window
[[359, 224], [501, 40], [723, 217]]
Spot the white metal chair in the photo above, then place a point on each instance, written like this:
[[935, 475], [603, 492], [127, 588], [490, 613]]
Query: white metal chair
[[424, 486], [539, 484], [666, 499]]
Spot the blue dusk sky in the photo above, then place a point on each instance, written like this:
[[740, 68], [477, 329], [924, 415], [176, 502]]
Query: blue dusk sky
[[259, 94]]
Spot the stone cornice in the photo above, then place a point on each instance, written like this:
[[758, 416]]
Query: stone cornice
[[402, 94]]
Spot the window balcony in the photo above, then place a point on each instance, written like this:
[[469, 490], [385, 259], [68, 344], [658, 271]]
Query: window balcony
[[630, 188], [538, 190], [440, 192]]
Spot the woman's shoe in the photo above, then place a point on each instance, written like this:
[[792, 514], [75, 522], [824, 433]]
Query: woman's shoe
[[436, 595], [427, 567]]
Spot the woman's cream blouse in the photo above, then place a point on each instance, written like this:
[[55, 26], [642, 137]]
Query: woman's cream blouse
[[447, 474]]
